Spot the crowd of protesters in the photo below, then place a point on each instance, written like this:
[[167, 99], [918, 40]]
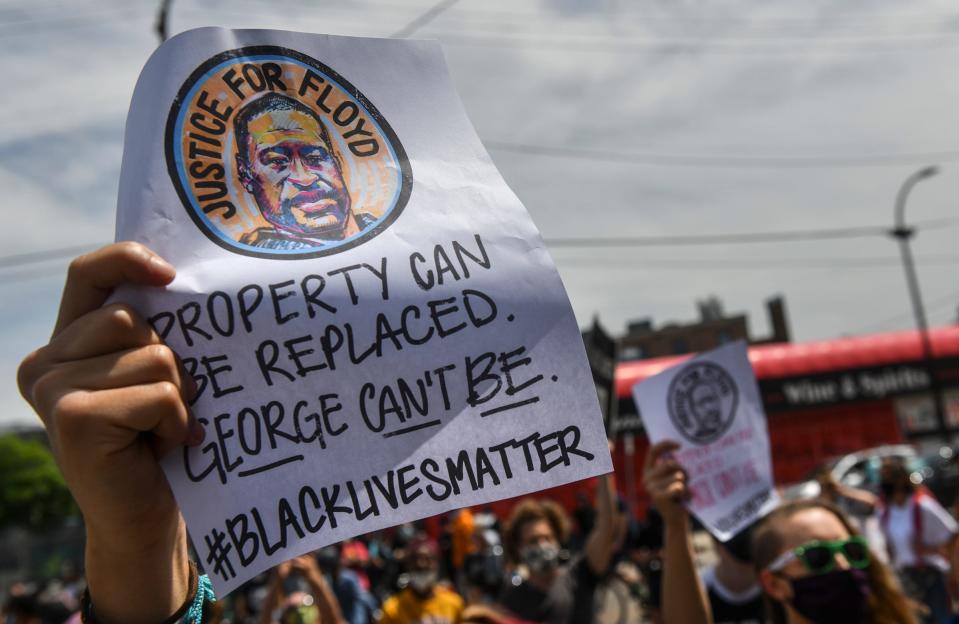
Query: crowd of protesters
[[479, 569], [105, 380], [805, 562]]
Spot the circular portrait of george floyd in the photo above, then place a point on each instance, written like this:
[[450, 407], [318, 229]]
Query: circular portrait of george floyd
[[275, 155]]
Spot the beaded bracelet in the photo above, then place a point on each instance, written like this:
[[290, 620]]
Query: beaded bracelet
[[193, 611]]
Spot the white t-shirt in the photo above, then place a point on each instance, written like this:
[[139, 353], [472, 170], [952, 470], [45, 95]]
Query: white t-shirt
[[729, 607], [938, 527]]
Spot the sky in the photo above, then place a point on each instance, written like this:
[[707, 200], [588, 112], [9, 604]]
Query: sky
[[684, 120]]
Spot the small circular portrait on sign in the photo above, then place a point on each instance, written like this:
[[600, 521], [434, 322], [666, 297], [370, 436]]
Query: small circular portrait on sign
[[275, 155], [702, 402]]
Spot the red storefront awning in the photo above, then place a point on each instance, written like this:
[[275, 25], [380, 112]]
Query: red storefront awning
[[808, 358]]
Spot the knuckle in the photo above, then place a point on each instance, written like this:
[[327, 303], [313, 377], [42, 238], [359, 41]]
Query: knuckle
[[44, 389], [71, 410], [134, 252], [162, 361], [78, 267], [168, 395], [28, 373], [121, 317]]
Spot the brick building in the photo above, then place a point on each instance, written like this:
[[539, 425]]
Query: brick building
[[642, 341]]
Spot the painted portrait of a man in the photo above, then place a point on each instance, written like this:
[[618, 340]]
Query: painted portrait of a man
[[287, 163]]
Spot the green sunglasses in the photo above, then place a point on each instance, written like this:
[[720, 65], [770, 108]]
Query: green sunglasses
[[819, 556]]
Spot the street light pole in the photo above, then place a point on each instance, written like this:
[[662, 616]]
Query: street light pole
[[903, 233]]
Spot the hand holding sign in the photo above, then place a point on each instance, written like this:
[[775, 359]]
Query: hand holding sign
[[710, 407], [113, 399], [666, 482], [375, 328]]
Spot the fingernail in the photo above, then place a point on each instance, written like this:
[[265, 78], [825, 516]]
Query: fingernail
[[196, 434]]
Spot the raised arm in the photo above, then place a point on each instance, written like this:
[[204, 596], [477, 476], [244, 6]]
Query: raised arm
[[833, 488], [684, 599], [322, 593], [600, 543], [274, 593], [113, 399]]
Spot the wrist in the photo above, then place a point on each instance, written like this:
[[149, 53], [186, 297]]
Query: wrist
[[676, 525], [138, 580]]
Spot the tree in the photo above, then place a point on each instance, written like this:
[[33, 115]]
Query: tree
[[33, 494]]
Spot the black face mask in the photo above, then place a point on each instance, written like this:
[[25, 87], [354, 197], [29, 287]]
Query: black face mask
[[328, 559], [839, 597], [887, 488], [739, 546]]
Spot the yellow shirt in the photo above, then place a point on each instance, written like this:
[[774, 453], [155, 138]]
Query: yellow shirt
[[443, 606]]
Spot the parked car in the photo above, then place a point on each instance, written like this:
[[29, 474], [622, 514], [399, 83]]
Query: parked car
[[936, 469]]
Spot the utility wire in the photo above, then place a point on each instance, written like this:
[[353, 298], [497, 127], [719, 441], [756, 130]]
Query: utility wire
[[921, 43], [424, 19], [29, 275], [469, 28], [755, 263], [163, 20], [736, 238], [719, 265], [642, 14], [35, 257], [731, 161], [935, 305], [67, 17]]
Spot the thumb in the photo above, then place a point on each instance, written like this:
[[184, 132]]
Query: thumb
[[93, 276]]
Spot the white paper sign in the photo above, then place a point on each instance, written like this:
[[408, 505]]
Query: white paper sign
[[377, 329], [711, 405]]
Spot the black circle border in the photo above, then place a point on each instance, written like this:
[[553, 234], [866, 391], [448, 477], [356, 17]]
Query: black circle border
[[406, 184], [669, 401]]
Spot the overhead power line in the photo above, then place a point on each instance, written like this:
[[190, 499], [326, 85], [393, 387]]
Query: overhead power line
[[163, 20], [36, 257], [737, 238], [726, 161], [860, 45], [775, 262], [937, 304], [30, 274], [424, 19], [26, 259]]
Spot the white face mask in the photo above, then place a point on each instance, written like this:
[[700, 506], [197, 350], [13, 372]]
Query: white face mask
[[422, 581], [541, 558]]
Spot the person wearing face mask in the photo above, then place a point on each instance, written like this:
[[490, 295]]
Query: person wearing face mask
[[815, 568], [812, 565], [921, 538], [424, 599], [731, 585], [354, 601], [299, 594], [550, 590]]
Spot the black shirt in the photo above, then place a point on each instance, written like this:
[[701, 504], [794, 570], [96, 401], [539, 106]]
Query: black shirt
[[568, 601], [730, 608]]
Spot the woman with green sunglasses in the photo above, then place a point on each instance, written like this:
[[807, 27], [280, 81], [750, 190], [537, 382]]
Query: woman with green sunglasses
[[815, 569]]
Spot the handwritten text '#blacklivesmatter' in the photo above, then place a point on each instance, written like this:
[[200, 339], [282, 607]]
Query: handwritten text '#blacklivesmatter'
[[263, 532]]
